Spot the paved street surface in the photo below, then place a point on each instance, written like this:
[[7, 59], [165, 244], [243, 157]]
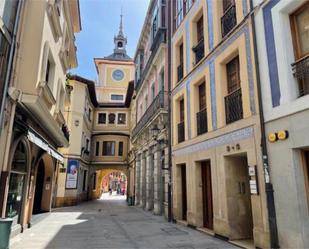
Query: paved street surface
[[110, 223]]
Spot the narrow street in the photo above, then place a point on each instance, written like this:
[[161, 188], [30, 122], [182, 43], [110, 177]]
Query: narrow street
[[110, 223]]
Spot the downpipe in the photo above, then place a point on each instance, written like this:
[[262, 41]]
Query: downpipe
[[268, 185]]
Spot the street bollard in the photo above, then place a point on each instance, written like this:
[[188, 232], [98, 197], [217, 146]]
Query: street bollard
[[5, 232]]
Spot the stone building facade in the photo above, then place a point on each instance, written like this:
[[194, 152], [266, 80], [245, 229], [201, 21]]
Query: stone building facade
[[218, 177], [283, 46], [34, 126], [150, 133]]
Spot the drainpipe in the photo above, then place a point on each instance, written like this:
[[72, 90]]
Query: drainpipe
[[169, 51], [268, 185]]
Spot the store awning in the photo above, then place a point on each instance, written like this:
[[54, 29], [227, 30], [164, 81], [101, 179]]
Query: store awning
[[44, 145]]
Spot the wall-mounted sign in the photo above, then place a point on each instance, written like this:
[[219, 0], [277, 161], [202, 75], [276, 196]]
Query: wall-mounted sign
[[272, 137], [72, 174], [282, 135], [254, 188]]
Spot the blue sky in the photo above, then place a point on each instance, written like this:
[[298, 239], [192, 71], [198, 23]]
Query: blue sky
[[100, 22]]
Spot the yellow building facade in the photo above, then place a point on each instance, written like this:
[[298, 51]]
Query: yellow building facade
[[217, 172]]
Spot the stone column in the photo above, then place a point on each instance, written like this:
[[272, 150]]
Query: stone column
[[157, 173], [149, 180], [143, 181], [137, 179]]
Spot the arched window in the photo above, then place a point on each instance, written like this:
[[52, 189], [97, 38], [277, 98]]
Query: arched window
[[119, 44], [17, 183]]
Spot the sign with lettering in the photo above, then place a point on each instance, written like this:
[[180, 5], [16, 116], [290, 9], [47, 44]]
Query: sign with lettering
[[72, 174]]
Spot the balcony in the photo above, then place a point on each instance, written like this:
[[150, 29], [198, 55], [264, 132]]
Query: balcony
[[228, 20], [201, 121], [157, 41], [301, 73], [233, 107], [179, 72], [160, 102], [181, 132], [199, 51]]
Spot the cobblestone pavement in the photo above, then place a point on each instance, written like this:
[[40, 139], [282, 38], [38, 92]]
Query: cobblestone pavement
[[111, 224]]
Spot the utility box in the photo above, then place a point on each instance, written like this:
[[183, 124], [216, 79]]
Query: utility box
[[5, 232]]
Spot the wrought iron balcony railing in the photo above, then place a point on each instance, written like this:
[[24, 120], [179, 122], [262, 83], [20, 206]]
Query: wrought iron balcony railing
[[301, 73], [199, 51], [233, 107], [201, 121], [181, 132], [228, 20], [180, 72], [158, 39], [160, 102]]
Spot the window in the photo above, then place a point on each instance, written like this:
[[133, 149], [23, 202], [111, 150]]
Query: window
[[161, 86], [89, 114], [87, 144], [154, 27], [4, 48], [153, 92], [202, 96], [121, 118], [228, 20], [181, 124], [180, 67], [146, 102], [111, 118], [120, 45], [233, 100], [102, 118], [199, 48], [120, 149], [117, 97], [300, 34], [201, 116], [182, 8], [233, 78], [108, 148], [200, 29], [47, 71], [97, 148]]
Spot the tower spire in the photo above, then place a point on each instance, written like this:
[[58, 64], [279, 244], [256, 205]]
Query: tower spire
[[120, 26]]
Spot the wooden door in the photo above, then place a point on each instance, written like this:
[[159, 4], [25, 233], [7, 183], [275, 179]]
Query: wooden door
[[184, 191], [207, 195]]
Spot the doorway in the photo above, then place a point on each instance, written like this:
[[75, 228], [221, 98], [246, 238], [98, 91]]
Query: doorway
[[238, 197], [39, 186], [184, 191], [207, 195]]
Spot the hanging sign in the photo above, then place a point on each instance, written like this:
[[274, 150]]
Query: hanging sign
[[72, 174]]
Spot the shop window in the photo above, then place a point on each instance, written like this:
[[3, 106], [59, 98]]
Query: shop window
[[102, 118], [108, 148], [111, 118], [300, 34], [233, 100], [121, 118], [120, 149], [17, 183]]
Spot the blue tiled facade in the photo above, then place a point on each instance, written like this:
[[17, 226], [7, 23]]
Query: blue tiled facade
[[271, 53]]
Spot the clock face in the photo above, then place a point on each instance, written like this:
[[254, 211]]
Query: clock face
[[118, 75]]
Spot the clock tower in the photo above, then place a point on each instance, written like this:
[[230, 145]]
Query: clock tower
[[114, 71]]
